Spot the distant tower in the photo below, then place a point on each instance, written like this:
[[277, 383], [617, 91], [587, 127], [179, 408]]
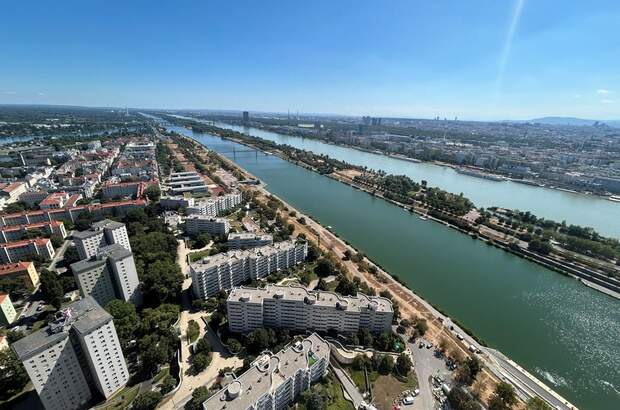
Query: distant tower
[[246, 116]]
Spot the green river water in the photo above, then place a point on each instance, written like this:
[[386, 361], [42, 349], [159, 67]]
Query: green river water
[[566, 334]]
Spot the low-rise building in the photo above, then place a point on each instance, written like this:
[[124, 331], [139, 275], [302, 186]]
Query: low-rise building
[[12, 252], [274, 381], [230, 269], [176, 202], [297, 308], [197, 224], [13, 191], [24, 272], [55, 200], [248, 240], [133, 190], [16, 232], [75, 357], [7, 311]]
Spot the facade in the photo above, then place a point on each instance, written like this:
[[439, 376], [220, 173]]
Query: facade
[[110, 274], [180, 182], [24, 272], [230, 269], [125, 189], [16, 232], [248, 240], [12, 252], [12, 192], [216, 205], [274, 381], [75, 357], [54, 200], [176, 202], [296, 307], [7, 311], [102, 233], [197, 224]]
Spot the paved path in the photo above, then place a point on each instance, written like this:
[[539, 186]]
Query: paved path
[[349, 386]]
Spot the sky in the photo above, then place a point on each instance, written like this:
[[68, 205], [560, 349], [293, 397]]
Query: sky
[[474, 59]]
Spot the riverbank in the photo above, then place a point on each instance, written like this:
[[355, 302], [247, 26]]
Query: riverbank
[[412, 305], [488, 235]]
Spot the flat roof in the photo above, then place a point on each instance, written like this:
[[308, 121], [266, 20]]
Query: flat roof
[[316, 297], [267, 373], [233, 255], [85, 315]]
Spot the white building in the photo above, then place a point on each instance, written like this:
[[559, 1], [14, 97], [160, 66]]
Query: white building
[[197, 224], [226, 270], [7, 311], [274, 381], [295, 307], [248, 240], [77, 350], [110, 274], [215, 206], [176, 202], [180, 182], [102, 233]]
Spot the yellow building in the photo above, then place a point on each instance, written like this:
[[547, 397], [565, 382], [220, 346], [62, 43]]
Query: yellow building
[[20, 271], [7, 311]]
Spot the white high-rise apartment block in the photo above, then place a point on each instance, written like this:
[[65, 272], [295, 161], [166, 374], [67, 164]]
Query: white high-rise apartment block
[[248, 240], [295, 307], [197, 224], [275, 380], [226, 270], [102, 233], [110, 274], [79, 349], [216, 205]]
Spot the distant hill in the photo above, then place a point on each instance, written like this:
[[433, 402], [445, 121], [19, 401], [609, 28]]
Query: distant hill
[[572, 121]]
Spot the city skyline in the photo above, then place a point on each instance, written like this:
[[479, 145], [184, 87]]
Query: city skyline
[[514, 60]]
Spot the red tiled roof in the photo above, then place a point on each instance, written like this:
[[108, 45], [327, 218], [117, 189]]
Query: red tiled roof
[[17, 244], [3, 296], [14, 267]]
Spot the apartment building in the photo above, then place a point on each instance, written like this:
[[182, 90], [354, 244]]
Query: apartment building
[[216, 205], [180, 182], [274, 381], [55, 200], [109, 274], [7, 311], [230, 269], [12, 252], [197, 224], [297, 308], [248, 240], [11, 192], [24, 272], [125, 189], [176, 202], [102, 233], [75, 358], [16, 232]]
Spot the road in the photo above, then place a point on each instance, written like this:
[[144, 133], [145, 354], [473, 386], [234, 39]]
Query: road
[[426, 365], [59, 253]]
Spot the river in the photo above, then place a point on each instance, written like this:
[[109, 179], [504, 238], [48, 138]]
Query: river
[[561, 331], [587, 210]]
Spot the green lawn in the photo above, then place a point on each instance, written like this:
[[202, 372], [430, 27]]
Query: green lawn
[[337, 402], [198, 255], [165, 371], [122, 399]]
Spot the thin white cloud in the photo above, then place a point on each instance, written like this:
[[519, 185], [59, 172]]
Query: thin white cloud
[[577, 96], [603, 91], [607, 101], [8, 92], [504, 57], [40, 94]]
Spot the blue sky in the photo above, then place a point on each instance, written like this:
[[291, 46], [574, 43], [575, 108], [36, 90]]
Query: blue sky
[[475, 59]]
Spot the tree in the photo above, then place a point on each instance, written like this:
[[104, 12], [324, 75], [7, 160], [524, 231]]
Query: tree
[[57, 241], [71, 255], [167, 384], [540, 246], [234, 345], [503, 398], [421, 327], [13, 376], [321, 285], [536, 403], [202, 346], [51, 288], [162, 282], [403, 364], [193, 330], [365, 337], [258, 340], [125, 319], [146, 401], [386, 364], [324, 267], [459, 400], [199, 362], [468, 370], [314, 399], [153, 193], [346, 287], [202, 240], [199, 396]]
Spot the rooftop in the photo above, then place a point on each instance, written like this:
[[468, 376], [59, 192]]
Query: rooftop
[[14, 267], [319, 298], [267, 373], [234, 255], [83, 316], [17, 244]]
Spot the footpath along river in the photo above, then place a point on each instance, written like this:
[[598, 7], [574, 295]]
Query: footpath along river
[[587, 210], [561, 331]]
